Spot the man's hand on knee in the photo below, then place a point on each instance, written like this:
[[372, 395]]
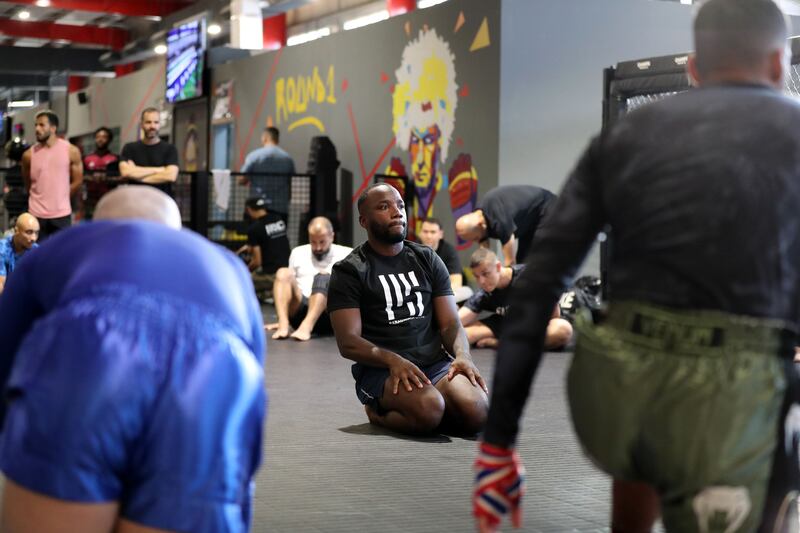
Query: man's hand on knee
[[468, 368], [405, 372]]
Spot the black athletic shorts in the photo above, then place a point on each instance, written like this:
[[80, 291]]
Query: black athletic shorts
[[371, 380], [323, 325]]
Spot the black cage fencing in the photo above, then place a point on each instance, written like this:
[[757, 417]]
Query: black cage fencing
[[213, 203]]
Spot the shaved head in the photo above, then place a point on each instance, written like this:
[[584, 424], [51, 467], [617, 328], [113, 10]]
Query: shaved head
[[320, 237], [364, 196], [737, 35], [472, 226], [26, 231], [26, 220], [320, 225], [139, 202]]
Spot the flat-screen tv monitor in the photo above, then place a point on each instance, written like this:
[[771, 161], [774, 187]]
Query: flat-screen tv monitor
[[186, 46]]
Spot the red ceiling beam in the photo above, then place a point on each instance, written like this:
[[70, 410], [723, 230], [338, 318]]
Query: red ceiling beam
[[132, 8], [114, 38]]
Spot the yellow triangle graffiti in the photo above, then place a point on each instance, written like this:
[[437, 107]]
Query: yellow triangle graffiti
[[482, 37]]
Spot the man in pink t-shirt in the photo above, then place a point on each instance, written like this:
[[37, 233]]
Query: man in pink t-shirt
[[53, 172]]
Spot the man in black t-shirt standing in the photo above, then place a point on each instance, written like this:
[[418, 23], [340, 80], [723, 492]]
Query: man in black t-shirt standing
[[267, 245], [393, 313], [510, 214], [496, 282], [432, 234], [150, 160]]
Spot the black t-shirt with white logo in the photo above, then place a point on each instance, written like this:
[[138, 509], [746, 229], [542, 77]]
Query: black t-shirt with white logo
[[496, 301], [269, 233], [160, 154], [395, 296]]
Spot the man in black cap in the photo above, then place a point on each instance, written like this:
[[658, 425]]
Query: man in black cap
[[267, 245]]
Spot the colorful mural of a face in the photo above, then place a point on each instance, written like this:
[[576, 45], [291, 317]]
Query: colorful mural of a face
[[424, 150], [424, 103]]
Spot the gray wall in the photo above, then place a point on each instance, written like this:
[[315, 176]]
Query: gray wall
[[113, 102], [117, 102], [551, 82]]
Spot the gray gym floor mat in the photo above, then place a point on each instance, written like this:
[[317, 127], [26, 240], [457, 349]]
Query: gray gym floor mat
[[326, 469]]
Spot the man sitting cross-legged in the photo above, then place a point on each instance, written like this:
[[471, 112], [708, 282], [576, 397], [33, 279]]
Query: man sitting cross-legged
[[496, 283], [393, 312], [301, 290]]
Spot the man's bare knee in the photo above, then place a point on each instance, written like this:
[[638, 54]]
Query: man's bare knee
[[559, 333], [467, 406], [285, 275], [474, 416], [318, 298], [426, 411]]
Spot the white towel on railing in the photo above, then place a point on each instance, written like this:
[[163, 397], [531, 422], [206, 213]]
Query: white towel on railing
[[222, 187]]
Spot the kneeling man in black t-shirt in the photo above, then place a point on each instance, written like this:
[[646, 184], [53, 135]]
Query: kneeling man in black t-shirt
[[393, 312]]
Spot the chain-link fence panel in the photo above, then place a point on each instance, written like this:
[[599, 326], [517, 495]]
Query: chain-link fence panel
[[637, 101], [792, 83]]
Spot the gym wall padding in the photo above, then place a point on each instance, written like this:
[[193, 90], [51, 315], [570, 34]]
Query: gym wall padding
[[346, 86]]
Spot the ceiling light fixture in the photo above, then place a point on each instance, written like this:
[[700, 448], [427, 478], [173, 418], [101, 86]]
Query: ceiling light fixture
[[422, 4], [301, 38], [686, 2], [160, 49], [214, 29], [43, 3], [21, 103], [24, 15], [366, 20]]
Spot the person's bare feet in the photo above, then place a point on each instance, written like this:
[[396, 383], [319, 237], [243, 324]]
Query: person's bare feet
[[272, 326], [489, 342], [301, 334], [281, 332]]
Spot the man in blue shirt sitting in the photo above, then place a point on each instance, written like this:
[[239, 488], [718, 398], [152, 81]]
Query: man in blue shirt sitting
[[13, 247], [272, 167]]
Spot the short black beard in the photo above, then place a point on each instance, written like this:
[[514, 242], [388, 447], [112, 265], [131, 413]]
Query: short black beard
[[382, 234], [321, 256]]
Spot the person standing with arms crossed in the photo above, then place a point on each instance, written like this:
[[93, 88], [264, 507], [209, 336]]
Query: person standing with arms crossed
[[150, 161]]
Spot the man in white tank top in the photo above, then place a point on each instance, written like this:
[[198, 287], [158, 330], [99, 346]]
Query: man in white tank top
[[53, 172]]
